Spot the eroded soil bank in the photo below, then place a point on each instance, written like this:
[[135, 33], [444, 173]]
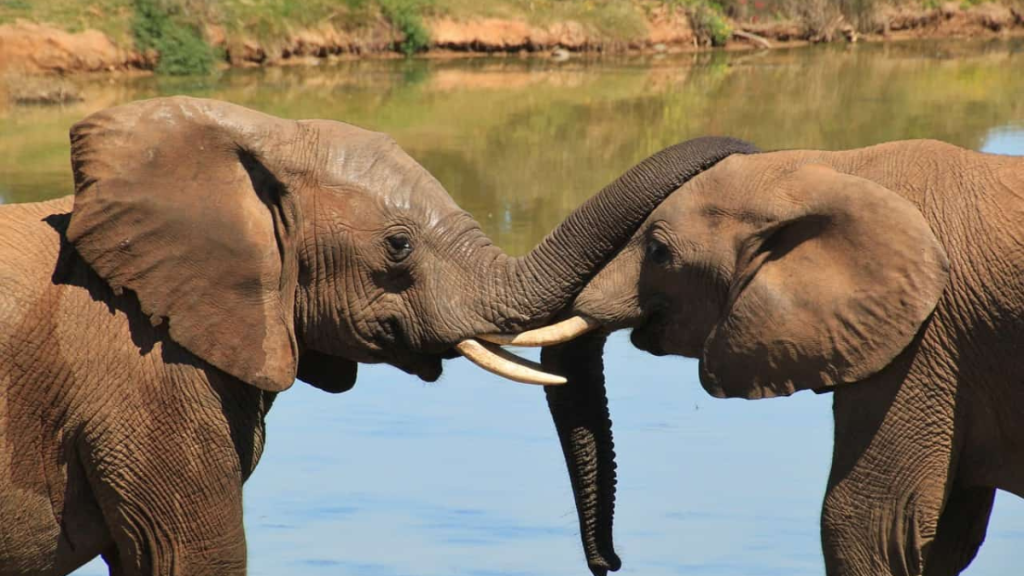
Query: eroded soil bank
[[30, 48]]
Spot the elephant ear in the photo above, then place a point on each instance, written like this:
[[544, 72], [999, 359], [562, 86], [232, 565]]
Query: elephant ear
[[188, 203], [834, 284]]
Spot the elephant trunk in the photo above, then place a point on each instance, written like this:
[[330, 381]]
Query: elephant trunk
[[580, 412], [526, 291]]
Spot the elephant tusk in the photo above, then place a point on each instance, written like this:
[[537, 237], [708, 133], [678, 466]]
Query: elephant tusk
[[548, 335], [496, 360]]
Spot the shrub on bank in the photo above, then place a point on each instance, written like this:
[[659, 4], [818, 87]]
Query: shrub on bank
[[405, 15], [158, 26], [709, 22]]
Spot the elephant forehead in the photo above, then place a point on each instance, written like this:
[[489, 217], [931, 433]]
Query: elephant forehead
[[744, 189], [373, 163]]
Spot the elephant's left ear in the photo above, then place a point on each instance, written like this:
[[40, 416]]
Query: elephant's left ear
[[189, 204], [831, 288]]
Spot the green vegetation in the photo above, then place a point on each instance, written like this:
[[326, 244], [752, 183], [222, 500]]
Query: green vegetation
[[708, 20], [270, 22], [407, 17], [160, 26]]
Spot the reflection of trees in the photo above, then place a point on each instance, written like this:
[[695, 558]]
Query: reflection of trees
[[462, 177], [546, 150], [540, 164], [519, 143], [873, 93]]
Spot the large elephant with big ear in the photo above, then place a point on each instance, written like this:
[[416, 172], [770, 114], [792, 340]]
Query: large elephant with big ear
[[210, 255], [889, 276]]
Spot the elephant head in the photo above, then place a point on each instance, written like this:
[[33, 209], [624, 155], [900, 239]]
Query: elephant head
[[274, 248], [779, 271]]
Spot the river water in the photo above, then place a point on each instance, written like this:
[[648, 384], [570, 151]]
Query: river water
[[464, 476]]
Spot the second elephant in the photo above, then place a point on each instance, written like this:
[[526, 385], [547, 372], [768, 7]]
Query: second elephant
[[890, 276]]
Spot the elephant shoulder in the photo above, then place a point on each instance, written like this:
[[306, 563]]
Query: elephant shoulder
[[46, 289], [30, 246]]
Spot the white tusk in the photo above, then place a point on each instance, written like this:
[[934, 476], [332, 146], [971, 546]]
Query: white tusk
[[496, 360], [548, 335]]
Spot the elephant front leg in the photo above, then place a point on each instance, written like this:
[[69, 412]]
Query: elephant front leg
[[894, 449], [185, 527], [172, 507]]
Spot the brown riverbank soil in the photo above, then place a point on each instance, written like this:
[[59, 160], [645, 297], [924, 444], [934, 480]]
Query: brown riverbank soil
[[35, 48], [28, 47], [949, 20]]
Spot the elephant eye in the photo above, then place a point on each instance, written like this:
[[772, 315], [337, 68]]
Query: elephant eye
[[658, 253], [399, 246]]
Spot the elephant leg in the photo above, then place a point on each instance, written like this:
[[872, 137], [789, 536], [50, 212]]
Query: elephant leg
[[172, 530], [961, 530], [173, 506], [894, 449]]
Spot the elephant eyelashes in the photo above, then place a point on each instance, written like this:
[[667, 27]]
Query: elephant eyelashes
[[657, 252], [399, 247]]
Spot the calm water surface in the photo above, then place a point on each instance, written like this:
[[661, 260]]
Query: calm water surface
[[464, 476]]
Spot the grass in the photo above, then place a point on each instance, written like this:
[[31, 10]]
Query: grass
[[271, 20], [112, 17], [613, 19]]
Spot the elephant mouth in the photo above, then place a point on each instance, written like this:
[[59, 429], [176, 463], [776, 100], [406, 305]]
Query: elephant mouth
[[484, 351], [427, 368], [647, 335], [645, 338], [392, 346]]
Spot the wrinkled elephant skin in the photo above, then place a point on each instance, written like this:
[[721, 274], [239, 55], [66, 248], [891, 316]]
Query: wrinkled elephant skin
[[889, 275], [210, 255]]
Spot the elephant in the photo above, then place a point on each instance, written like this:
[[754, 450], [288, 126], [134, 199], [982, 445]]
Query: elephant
[[210, 255], [889, 276]]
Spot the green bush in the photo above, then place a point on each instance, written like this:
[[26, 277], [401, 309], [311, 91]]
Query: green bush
[[406, 16], [181, 48], [709, 22]]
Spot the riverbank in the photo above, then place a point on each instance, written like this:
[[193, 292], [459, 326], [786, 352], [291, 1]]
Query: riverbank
[[179, 36]]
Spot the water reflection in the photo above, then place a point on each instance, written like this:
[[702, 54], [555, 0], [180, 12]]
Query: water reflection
[[464, 476], [519, 143]]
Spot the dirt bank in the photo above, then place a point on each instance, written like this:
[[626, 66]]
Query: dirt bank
[[950, 20], [27, 47], [33, 48]]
